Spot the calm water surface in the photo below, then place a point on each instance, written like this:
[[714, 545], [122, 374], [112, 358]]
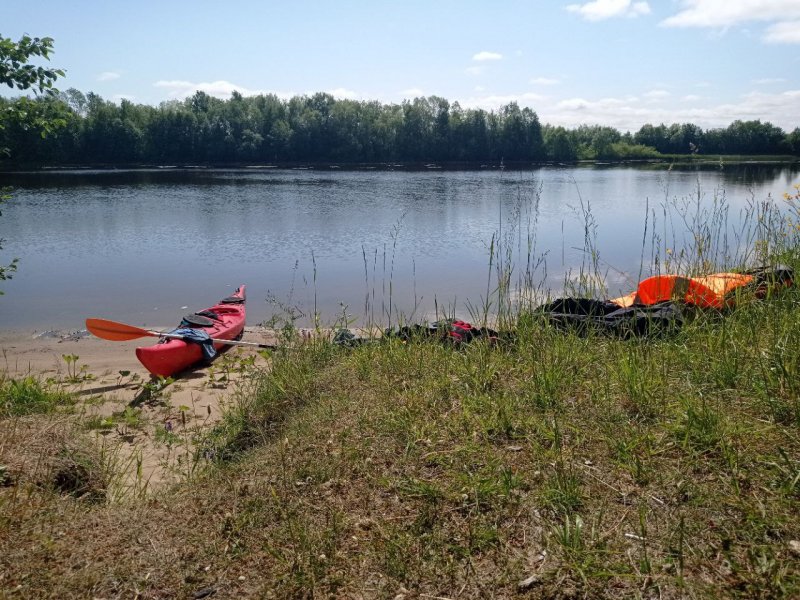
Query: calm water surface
[[139, 246]]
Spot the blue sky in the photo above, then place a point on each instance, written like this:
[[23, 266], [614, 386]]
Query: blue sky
[[614, 62]]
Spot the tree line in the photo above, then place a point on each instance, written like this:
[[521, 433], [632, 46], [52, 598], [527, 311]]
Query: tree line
[[319, 128]]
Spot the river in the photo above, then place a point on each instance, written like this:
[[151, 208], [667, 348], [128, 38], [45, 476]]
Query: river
[[147, 246]]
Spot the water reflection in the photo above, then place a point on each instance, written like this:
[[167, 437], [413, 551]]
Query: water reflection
[[138, 245]]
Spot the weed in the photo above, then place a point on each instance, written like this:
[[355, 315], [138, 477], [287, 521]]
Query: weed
[[130, 417], [641, 384], [29, 395], [789, 474], [569, 535], [633, 453], [153, 391], [562, 491], [75, 373], [126, 377], [703, 428], [165, 435]]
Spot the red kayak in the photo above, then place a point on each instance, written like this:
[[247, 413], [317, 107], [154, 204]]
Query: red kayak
[[225, 321]]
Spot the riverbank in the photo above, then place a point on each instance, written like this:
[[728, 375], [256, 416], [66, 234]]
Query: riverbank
[[665, 161], [117, 404], [42, 354], [559, 466]]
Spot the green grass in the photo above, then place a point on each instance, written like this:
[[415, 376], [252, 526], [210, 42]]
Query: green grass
[[603, 467], [29, 395], [129, 417], [662, 466], [635, 465]]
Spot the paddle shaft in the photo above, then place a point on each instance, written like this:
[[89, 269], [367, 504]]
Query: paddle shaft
[[120, 332], [175, 336]]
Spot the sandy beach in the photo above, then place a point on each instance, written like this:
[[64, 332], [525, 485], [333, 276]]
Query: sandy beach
[[115, 406]]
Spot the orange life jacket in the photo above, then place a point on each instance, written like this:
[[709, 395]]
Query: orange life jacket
[[709, 291]]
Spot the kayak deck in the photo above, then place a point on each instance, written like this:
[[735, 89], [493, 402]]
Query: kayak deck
[[170, 356]]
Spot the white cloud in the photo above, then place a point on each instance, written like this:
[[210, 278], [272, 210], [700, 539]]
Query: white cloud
[[177, 89], [493, 102], [724, 13], [620, 101], [544, 81], [108, 76], [606, 9], [787, 32], [656, 95], [343, 94], [783, 16], [482, 56], [629, 114], [413, 93], [574, 104]]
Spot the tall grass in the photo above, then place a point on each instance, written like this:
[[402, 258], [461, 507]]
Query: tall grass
[[626, 465]]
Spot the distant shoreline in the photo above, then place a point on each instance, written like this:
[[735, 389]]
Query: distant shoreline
[[666, 161]]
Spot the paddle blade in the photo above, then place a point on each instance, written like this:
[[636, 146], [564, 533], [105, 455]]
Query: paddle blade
[[116, 332]]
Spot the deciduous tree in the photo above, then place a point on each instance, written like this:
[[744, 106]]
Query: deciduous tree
[[17, 72]]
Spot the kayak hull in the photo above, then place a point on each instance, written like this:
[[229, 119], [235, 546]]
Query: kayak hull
[[170, 356]]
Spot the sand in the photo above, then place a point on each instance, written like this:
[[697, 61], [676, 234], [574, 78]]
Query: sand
[[151, 436]]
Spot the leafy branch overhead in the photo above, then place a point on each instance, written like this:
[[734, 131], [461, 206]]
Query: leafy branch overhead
[[16, 72]]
